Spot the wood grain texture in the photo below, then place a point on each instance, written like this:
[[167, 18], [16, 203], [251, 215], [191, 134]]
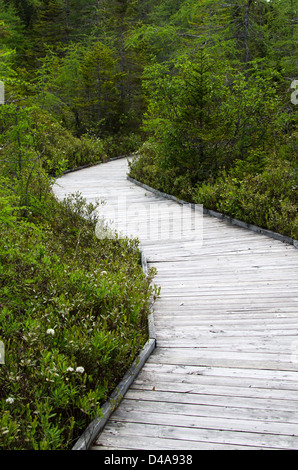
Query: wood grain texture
[[224, 374]]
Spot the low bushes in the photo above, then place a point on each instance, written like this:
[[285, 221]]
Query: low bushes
[[147, 167], [268, 199], [60, 150], [32, 139]]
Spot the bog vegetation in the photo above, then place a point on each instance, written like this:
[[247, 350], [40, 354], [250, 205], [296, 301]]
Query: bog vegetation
[[203, 94]]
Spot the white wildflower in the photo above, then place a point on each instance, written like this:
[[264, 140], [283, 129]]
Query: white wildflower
[[50, 331], [69, 369], [81, 370], [10, 400]]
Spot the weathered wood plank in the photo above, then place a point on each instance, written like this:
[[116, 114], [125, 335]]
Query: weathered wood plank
[[162, 385], [205, 410], [199, 436], [219, 377], [205, 422], [217, 358], [273, 377], [127, 442], [266, 404]]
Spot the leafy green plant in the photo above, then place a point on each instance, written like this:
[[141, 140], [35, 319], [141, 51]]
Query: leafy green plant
[[267, 199]]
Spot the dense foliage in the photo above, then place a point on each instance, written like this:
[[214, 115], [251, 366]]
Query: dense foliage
[[203, 92]]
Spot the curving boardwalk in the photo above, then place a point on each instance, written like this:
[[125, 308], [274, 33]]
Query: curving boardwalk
[[224, 374]]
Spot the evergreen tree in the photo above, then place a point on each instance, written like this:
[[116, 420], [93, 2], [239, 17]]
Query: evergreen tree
[[50, 24], [283, 37], [98, 96]]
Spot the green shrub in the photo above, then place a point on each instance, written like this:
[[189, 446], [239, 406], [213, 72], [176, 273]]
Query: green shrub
[[268, 199], [59, 149], [120, 144], [147, 168]]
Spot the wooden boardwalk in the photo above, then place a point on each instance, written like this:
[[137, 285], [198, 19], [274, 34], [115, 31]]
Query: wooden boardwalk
[[224, 374]]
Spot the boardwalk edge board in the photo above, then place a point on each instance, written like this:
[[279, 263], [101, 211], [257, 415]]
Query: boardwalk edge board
[[98, 424], [219, 215]]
